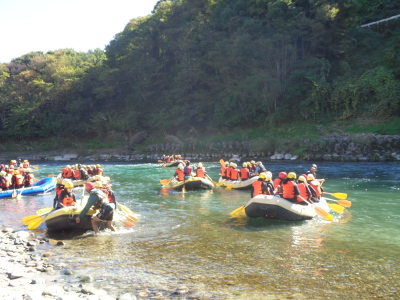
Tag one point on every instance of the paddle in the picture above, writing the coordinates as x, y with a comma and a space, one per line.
222, 162
209, 178
29, 219
338, 195
184, 188
14, 194
229, 187
43, 211
336, 207
127, 213
165, 181
345, 203
36, 222
35, 167
321, 212
238, 212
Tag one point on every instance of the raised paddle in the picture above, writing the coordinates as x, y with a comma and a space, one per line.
337, 195
345, 203
222, 162
125, 209
238, 212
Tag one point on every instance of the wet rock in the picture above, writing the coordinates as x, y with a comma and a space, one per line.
60, 243
86, 278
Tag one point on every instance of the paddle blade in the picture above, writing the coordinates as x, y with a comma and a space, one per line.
35, 167
183, 189
29, 219
159, 160
36, 223
222, 162
345, 203
238, 212
229, 187
340, 195
323, 213
14, 194
336, 207
44, 211
125, 209
131, 218
165, 181
128, 224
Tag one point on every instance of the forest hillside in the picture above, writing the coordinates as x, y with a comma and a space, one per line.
201, 67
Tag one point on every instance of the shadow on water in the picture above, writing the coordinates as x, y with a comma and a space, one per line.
260, 224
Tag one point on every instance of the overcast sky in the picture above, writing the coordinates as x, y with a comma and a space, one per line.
44, 25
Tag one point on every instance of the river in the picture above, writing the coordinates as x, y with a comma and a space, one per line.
189, 240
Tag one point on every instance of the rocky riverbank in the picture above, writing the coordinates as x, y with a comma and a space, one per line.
335, 147
27, 273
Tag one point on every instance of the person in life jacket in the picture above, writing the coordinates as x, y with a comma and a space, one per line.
316, 185
3, 181
28, 178
65, 196
76, 173
229, 170
200, 171
98, 200
259, 168
13, 163
179, 175
83, 173
17, 180
306, 191
290, 190
106, 188
26, 164
2, 168
262, 185
223, 170
244, 172
234, 173
99, 170
278, 183
187, 170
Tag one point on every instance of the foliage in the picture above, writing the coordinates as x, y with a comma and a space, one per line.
207, 64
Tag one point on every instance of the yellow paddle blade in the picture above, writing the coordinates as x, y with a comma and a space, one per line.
44, 210
125, 209
340, 195
159, 160
323, 213
29, 219
128, 224
37, 180
36, 223
35, 167
336, 207
165, 181
183, 189
131, 218
14, 194
345, 203
238, 212
229, 187
222, 162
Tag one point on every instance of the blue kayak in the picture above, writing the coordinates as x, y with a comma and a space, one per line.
45, 185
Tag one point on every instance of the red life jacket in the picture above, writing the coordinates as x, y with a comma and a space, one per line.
223, 171
29, 178
234, 174
8, 181
200, 173
19, 179
257, 188
288, 189
64, 172
68, 173
277, 182
228, 172
244, 173
77, 174
66, 201
100, 171
25, 165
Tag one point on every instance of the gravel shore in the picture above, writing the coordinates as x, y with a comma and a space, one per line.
26, 274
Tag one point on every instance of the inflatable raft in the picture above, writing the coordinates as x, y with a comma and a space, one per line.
174, 163
238, 184
273, 207
193, 183
45, 185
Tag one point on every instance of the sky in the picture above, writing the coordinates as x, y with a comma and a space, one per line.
46, 25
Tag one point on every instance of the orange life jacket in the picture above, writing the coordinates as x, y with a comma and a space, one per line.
64, 172
19, 179
228, 172
66, 201
8, 181
257, 188
234, 174
303, 192
29, 178
317, 187
200, 173
244, 173
181, 175
99, 171
223, 171
288, 189
277, 182
26, 165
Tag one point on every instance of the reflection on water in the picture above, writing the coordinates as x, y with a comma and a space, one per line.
189, 239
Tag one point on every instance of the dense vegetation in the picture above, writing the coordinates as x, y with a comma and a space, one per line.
206, 64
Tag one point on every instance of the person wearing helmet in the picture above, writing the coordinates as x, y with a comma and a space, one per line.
313, 171
28, 178
17, 180
179, 175
259, 168
26, 164
278, 183
223, 170
187, 170
99, 170
229, 170
3, 181
65, 197
244, 172
262, 185
316, 185
306, 191
83, 173
200, 171
76, 173
290, 190
235, 173
98, 200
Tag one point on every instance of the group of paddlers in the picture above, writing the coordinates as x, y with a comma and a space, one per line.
16, 175
171, 158
186, 171
81, 172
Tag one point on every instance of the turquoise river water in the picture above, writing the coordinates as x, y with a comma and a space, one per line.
190, 240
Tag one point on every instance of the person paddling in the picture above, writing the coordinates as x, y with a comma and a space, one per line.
98, 200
